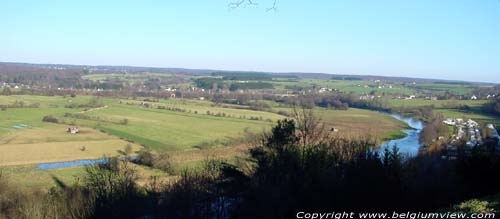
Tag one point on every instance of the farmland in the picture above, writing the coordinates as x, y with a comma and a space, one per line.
182, 127
378, 87
356, 86
189, 129
249, 109
156, 127
358, 122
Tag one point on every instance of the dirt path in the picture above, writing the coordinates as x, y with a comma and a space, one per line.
93, 109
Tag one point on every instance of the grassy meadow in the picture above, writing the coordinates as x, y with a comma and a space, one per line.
359, 122
29, 177
190, 130
167, 130
52, 143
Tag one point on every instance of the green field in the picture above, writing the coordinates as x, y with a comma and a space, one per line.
435, 103
379, 87
180, 126
29, 177
169, 130
359, 87
456, 88
139, 78
449, 108
175, 125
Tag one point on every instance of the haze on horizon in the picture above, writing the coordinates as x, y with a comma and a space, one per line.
454, 40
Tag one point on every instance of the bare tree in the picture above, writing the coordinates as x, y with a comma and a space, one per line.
309, 127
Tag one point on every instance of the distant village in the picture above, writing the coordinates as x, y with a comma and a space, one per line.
377, 84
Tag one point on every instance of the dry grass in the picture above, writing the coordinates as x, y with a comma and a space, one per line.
362, 123
180, 157
29, 177
53, 144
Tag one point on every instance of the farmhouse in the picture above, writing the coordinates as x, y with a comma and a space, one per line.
334, 129
73, 130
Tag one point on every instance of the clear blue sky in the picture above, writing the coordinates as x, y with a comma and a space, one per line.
449, 39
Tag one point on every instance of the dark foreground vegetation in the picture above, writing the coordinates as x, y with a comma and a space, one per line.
296, 167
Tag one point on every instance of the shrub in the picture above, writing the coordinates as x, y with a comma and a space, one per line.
128, 150
283, 113
145, 157
124, 121
51, 119
473, 206
114, 189
162, 162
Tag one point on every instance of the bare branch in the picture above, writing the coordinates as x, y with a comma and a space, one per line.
237, 4
273, 8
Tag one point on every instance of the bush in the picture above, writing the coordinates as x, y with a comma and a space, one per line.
283, 113
473, 206
115, 193
124, 121
145, 157
162, 162
51, 119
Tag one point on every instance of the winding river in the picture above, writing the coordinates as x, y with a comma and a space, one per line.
408, 145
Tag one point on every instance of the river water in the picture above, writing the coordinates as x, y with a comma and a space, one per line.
409, 145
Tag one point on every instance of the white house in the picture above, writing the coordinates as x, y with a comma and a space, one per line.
73, 130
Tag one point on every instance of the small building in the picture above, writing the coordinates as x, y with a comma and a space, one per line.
411, 97
473, 97
73, 130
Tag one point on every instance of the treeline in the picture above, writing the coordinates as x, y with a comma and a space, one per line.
298, 166
218, 83
94, 102
250, 86
434, 129
84, 116
209, 83
493, 107
346, 78
243, 76
18, 73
